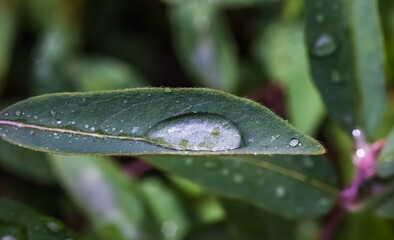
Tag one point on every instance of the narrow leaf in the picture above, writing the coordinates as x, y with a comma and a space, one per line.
105, 195
151, 121
330, 58
292, 186
20, 222
204, 44
369, 53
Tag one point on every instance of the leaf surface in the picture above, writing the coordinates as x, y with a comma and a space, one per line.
151, 121
291, 186
385, 166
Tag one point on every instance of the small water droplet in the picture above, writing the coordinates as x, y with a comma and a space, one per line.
307, 162
324, 46
32, 132
53, 113
238, 178
336, 76
167, 90
113, 129
18, 113
320, 18
280, 192
189, 161
134, 129
86, 126
211, 165
199, 132
58, 122
72, 122
294, 142
225, 172
54, 227
92, 129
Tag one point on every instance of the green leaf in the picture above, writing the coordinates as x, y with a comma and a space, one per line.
7, 35
250, 223
292, 186
383, 205
303, 104
347, 66
110, 200
20, 222
151, 121
167, 208
369, 59
364, 226
100, 73
385, 166
330, 59
204, 45
26, 163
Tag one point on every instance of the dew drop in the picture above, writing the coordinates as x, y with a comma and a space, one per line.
324, 46
336, 77
307, 163
32, 132
167, 90
53, 113
199, 132
238, 178
86, 126
54, 227
280, 192
225, 172
72, 122
18, 113
58, 122
211, 165
294, 142
92, 129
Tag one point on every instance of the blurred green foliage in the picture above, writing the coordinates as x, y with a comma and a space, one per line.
253, 48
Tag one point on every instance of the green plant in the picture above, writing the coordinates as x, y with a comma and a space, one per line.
160, 160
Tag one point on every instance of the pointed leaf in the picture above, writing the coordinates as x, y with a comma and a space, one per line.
20, 222
347, 64
292, 186
151, 121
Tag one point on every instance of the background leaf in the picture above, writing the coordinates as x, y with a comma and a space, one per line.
204, 45
20, 222
292, 186
110, 200
144, 121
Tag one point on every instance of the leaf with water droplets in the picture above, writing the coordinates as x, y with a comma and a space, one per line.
347, 64
229, 3
107, 197
151, 121
20, 222
292, 186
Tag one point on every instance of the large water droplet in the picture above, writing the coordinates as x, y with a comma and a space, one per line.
199, 132
324, 46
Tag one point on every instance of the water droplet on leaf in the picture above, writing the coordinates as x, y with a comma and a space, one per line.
167, 90
324, 46
54, 227
199, 132
18, 113
294, 142
53, 113
238, 178
280, 192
